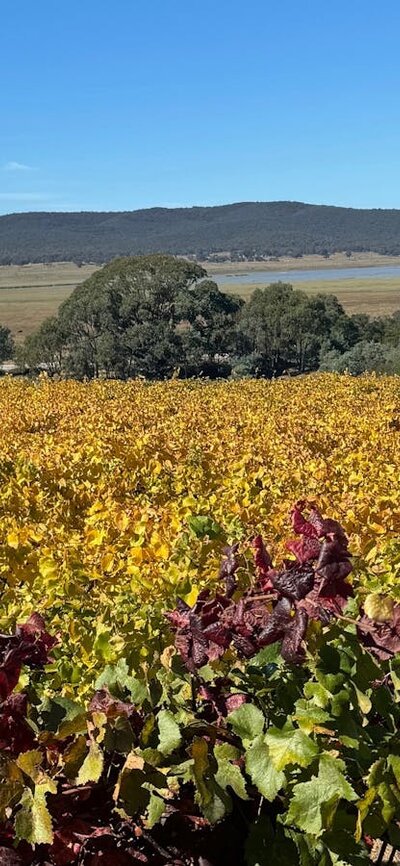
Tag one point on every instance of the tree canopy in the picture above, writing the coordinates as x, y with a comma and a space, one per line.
138, 316
284, 328
155, 316
6, 344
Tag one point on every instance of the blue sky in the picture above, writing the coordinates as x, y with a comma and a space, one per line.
121, 104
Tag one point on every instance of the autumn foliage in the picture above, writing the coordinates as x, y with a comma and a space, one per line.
154, 769
199, 658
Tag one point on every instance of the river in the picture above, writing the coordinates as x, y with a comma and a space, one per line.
317, 275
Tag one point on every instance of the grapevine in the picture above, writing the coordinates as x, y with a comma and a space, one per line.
266, 731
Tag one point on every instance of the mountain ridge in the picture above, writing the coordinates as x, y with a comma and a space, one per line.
245, 230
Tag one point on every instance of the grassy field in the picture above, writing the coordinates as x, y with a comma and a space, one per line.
30, 293
306, 263
376, 297
23, 309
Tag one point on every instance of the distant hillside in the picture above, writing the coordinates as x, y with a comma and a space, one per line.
246, 230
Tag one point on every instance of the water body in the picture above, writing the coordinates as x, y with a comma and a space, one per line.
319, 275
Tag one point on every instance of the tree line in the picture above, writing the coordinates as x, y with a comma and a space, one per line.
242, 231
157, 316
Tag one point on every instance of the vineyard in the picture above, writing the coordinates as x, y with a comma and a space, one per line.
200, 621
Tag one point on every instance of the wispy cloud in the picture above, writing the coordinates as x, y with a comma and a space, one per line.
23, 196
17, 166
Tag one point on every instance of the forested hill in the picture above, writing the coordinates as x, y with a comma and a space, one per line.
248, 229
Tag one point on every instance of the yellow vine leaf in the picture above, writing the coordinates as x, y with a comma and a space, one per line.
92, 767
379, 607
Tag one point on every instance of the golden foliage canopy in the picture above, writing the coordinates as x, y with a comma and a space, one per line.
116, 497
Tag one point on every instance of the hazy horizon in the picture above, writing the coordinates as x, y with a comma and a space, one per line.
192, 207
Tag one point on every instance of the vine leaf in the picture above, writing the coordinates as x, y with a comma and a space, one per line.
199, 752
155, 810
314, 803
33, 820
290, 746
308, 715
218, 805
212, 798
29, 763
92, 767
394, 763
169, 733
378, 607
228, 773
364, 702
261, 770
247, 722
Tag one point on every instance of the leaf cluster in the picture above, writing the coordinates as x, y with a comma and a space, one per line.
195, 758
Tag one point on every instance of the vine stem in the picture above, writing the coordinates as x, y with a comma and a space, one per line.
194, 688
355, 622
160, 850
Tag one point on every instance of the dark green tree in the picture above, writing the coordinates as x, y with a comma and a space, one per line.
308, 326
391, 329
141, 316
208, 326
7, 347
151, 349
128, 305
265, 325
364, 357
340, 331
286, 329
45, 347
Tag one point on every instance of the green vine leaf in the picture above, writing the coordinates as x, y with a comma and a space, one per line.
261, 770
318, 694
217, 805
247, 722
290, 746
33, 820
229, 774
364, 702
29, 763
169, 733
210, 796
314, 803
394, 763
117, 679
155, 810
308, 715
